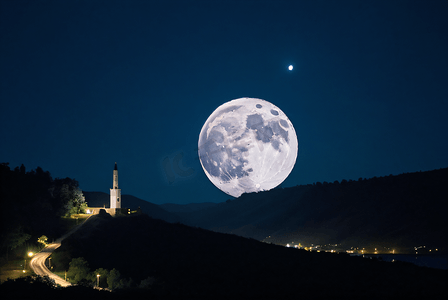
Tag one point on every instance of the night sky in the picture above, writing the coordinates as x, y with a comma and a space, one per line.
85, 84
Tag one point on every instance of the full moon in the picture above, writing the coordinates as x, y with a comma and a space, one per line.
247, 145
290, 67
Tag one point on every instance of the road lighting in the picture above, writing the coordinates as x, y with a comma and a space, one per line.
98, 280
30, 254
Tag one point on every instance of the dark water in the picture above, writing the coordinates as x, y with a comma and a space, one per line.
431, 261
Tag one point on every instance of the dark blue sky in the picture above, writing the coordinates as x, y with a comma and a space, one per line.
85, 84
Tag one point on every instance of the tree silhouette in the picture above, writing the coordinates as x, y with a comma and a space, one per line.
78, 270
33, 204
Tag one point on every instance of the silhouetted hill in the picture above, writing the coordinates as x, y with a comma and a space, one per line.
180, 208
193, 263
100, 199
400, 211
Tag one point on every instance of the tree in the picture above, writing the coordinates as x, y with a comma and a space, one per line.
43, 240
18, 237
113, 280
79, 204
67, 197
147, 283
13, 238
78, 270
22, 169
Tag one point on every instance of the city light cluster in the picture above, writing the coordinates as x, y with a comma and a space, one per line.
339, 248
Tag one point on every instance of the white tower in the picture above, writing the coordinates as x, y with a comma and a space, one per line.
115, 192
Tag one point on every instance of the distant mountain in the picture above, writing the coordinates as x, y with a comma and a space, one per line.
192, 263
97, 199
100, 199
181, 208
400, 211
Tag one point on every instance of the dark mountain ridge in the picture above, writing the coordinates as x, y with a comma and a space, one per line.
181, 208
401, 211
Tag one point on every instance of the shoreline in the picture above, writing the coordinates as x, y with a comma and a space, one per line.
436, 261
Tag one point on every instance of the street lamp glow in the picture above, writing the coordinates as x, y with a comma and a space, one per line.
30, 254
98, 280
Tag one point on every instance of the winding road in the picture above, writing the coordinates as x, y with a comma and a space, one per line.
37, 263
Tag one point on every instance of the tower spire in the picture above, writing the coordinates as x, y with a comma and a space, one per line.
115, 192
115, 182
